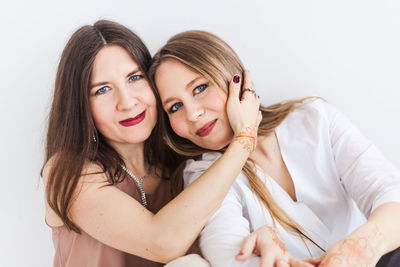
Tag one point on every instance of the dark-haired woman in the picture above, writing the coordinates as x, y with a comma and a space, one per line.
108, 199
309, 172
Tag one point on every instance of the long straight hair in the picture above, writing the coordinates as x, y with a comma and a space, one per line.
211, 57
72, 138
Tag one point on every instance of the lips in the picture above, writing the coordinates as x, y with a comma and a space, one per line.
133, 121
206, 129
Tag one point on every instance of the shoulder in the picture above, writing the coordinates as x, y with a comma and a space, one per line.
91, 171
311, 113
316, 107
92, 177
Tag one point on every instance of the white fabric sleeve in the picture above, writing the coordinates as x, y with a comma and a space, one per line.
221, 238
366, 175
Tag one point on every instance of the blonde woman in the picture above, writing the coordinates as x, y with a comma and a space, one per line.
309, 174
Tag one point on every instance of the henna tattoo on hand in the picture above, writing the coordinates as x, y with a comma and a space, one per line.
355, 252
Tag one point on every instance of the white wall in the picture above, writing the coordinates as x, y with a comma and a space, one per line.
346, 51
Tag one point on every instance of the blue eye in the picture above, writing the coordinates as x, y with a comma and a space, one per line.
135, 77
175, 107
102, 90
200, 88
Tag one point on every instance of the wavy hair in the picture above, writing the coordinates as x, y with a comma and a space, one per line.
211, 57
72, 139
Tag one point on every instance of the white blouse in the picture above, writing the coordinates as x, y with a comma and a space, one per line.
339, 178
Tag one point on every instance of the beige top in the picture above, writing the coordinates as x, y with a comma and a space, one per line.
75, 250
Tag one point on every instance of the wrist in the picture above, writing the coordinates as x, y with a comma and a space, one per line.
237, 146
373, 238
247, 138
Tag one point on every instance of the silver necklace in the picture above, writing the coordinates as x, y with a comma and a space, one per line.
139, 182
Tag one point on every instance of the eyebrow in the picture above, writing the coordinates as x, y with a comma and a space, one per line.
186, 87
104, 83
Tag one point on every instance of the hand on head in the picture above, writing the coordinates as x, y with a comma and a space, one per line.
243, 110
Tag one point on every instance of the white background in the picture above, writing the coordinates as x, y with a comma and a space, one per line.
347, 51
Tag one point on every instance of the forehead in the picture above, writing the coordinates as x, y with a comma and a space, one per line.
111, 60
172, 75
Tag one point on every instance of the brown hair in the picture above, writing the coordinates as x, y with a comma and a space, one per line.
72, 138
208, 55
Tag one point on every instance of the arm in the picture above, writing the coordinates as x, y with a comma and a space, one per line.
227, 234
221, 238
373, 183
116, 219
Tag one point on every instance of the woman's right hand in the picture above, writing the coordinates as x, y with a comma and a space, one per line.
243, 112
266, 243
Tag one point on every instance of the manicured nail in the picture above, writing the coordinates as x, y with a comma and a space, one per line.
240, 254
236, 78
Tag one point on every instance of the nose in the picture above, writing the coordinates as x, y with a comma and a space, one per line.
125, 101
194, 111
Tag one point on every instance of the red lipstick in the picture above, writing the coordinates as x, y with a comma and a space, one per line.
133, 121
206, 129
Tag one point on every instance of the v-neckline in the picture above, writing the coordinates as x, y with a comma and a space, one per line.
284, 159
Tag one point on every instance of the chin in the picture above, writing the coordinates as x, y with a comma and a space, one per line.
216, 145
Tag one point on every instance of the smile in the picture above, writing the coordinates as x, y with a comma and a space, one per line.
206, 129
133, 121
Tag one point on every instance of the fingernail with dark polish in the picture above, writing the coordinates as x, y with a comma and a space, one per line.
236, 78
240, 254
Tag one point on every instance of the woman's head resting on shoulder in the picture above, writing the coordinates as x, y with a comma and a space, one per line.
192, 73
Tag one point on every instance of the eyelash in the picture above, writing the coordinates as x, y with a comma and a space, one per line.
100, 93
133, 78
199, 88
137, 76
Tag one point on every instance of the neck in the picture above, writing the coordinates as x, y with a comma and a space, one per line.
267, 148
133, 157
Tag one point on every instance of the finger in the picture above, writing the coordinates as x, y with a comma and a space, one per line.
247, 248
234, 87
248, 87
267, 260
259, 118
313, 261
281, 263
300, 263
247, 80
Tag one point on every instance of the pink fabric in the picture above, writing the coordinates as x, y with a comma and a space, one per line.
75, 250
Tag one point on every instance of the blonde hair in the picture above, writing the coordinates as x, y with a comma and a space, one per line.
211, 57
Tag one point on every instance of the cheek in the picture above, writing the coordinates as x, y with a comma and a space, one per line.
150, 97
217, 101
179, 126
98, 113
